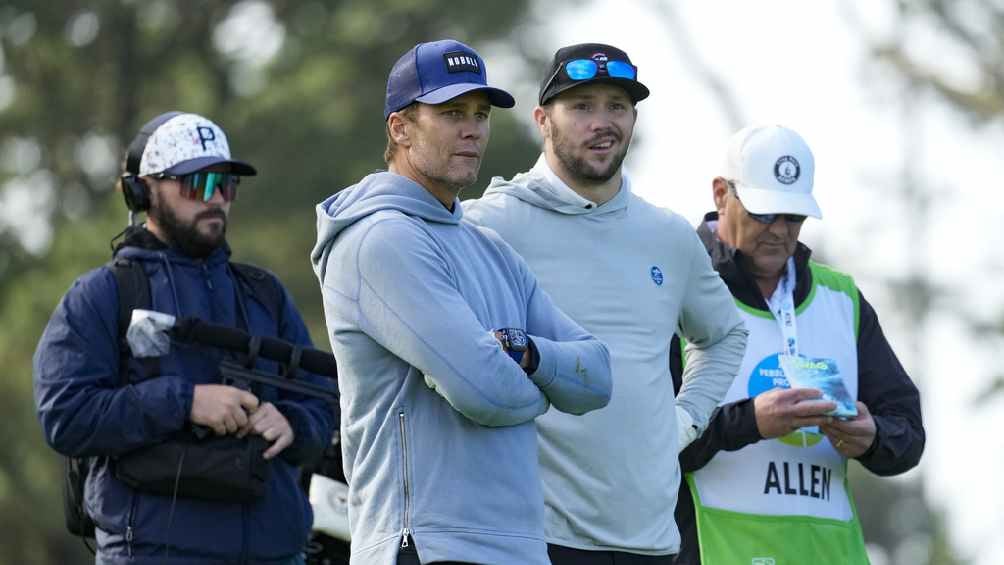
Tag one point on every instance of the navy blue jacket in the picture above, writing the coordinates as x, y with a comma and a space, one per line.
85, 410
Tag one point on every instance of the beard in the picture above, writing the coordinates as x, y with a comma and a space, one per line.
577, 166
187, 237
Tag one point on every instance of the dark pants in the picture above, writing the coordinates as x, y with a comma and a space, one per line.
561, 555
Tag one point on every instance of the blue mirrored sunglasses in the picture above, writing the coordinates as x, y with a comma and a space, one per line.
202, 185
583, 69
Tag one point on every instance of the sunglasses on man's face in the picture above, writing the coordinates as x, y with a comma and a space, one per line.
765, 219
201, 185
768, 219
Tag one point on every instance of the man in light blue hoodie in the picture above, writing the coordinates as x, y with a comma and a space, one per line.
632, 274
447, 348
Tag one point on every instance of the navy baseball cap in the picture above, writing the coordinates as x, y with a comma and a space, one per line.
435, 72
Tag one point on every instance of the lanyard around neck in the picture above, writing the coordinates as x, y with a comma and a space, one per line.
782, 307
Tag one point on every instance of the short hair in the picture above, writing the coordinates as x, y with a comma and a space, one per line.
408, 112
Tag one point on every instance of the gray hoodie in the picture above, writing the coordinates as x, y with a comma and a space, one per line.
438, 434
632, 274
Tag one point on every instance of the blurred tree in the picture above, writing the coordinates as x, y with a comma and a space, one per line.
971, 82
971, 32
299, 88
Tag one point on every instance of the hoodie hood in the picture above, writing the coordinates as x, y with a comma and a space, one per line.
540, 187
374, 193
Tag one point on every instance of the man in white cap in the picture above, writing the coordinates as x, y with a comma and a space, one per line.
97, 403
819, 384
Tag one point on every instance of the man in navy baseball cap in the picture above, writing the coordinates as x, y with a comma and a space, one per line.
437, 116
447, 349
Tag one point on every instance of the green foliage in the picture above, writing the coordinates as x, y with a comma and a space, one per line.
307, 111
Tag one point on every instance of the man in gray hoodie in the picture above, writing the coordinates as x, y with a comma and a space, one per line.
447, 348
631, 274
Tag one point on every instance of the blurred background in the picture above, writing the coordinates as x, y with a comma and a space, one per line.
900, 100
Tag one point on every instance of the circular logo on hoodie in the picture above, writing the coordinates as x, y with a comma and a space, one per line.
787, 170
656, 274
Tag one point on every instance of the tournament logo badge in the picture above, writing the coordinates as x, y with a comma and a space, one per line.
787, 170
656, 274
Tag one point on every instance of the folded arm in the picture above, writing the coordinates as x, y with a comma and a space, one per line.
574, 369
408, 303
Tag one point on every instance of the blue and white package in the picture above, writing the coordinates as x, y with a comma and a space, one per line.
822, 374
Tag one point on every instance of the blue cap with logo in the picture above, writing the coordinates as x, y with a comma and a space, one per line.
437, 71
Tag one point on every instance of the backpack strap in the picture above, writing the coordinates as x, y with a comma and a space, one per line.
263, 286
134, 293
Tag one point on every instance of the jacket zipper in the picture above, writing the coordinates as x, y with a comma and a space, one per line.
406, 531
129, 523
209, 280
244, 538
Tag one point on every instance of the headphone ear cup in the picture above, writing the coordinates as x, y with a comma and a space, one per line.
136, 193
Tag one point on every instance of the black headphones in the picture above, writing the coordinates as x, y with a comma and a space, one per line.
134, 189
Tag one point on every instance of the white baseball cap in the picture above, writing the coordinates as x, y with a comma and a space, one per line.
183, 143
772, 168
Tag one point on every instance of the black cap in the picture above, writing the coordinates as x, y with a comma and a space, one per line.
557, 80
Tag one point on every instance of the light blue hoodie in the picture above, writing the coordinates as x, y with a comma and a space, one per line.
438, 434
633, 275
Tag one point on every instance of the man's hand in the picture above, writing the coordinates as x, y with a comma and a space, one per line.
223, 408
270, 424
781, 411
851, 438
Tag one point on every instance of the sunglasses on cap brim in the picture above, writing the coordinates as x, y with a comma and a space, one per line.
585, 69
202, 185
